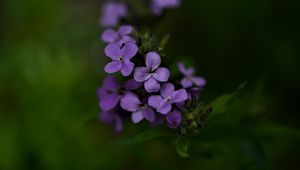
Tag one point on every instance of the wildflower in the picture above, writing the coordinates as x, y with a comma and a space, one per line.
111, 117
121, 36
111, 92
168, 96
174, 119
152, 74
112, 12
159, 5
120, 58
140, 110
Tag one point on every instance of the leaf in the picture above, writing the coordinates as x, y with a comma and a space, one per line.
182, 147
164, 41
221, 104
146, 136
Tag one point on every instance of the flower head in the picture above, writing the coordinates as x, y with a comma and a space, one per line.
174, 119
152, 74
140, 110
122, 36
120, 58
111, 92
168, 96
112, 12
159, 5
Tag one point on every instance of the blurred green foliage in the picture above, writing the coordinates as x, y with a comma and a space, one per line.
52, 63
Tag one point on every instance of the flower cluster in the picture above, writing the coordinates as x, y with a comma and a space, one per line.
148, 93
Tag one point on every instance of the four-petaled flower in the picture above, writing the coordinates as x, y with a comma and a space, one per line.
120, 58
174, 119
152, 74
189, 79
158, 5
168, 96
140, 110
111, 92
112, 12
121, 36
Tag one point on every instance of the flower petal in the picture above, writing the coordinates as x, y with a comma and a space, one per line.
112, 51
109, 36
164, 107
127, 67
129, 50
132, 84
179, 96
141, 74
125, 29
154, 101
162, 74
174, 119
152, 60
118, 123
149, 114
109, 102
111, 83
167, 89
185, 71
130, 102
138, 116
152, 85
113, 67
199, 81
106, 117
126, 39
186, 82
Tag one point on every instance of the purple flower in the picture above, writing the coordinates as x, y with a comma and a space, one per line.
159, 5
112, 12
121, 36
111, 92
168, 96
132, 103
152, 74
111, 117
120, 58
174, 119
189, 79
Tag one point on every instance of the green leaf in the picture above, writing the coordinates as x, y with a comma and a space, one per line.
182, 147
221, 104
146, 136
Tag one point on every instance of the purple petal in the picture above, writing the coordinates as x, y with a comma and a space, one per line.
113, 67
152, 85
132, 84
186, 82
138, 116
174, 119
141, 74
127, 67
111, 83
130, 102
159, 120
125, 30
118, 123
109, 102
154, 101
149, 114
125, 39
106, 117
186, 72
199, 81
112, 51
162, 74
179, 96
167, 89
111, 13
109, 36
152, 60
164, 107
129, 50
180, 105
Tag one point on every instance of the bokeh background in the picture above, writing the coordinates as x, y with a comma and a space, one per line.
51, 63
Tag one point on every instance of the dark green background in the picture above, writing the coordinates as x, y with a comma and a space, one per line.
51, 63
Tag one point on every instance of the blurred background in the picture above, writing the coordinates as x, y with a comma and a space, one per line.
51, 63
